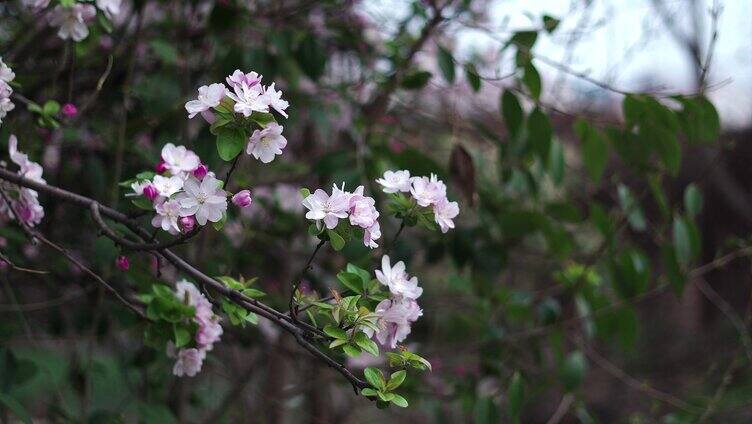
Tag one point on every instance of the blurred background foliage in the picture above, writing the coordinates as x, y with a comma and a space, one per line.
598, 272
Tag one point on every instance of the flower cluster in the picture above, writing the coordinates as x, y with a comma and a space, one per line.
396, 314
184, 192
6, 76
190, 359
427, 192
73, 20
245, 97
24, 202
358, 208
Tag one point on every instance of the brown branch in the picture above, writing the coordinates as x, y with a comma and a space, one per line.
300, 330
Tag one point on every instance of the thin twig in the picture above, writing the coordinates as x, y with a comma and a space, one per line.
92, 274
296, 282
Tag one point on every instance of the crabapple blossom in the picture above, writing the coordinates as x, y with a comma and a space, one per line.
427, 191
362, 211
123, 263
330, 209
209, 330
23, 203
395, 320
209, 96
167, 186
200, 172
6, 74
265, 144
395, 181
444, 212
72, 20
70, 110
168, 213
189, 362
36, 5
371, 234
160, 167
139, 186
395, 277
205, 199
273, 98
150, 192
239, 78
178, 159
242, 199
110, 8
248, 99
6, 105
187, 223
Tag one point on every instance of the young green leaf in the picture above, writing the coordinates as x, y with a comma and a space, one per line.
573, 370
375, 378
446, 64
396, 380
516, 395
230, 142
692, 200
399, 400
336, 240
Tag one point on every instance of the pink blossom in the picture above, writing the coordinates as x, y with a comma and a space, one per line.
189, 362
400, 284
72, 20
168, 213
200, 172
362, 211
371, 234
273, 98
444, 212
178, 159
70, 110
122, 263
395, 181
209, 96
330, 209
187, 224
150, 192
427, 191
395, 320
161, 167
238, 78
242, 199
267, 143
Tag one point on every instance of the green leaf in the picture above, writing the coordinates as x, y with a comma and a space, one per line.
399, 400
230, 142
16, 408
351, 280
682, 239
539, 133
594, 149
182, 336
263, 119
532, 80
632, 209
416, 80
396, 380
368, 392
336, 240
368, 345
673, 270
51, 108
516, 395
335, 332
142, 203
573, 370
165, 51
446, 64
312, 57
512, 113
375, 378
473, 79
351, 351
692, 200
556, 162
304, 192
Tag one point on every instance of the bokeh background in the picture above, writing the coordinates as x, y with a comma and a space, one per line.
524, 286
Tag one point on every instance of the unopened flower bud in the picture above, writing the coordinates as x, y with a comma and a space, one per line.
123, 263
200, 172
161, 167
150, 192
187, 224
70, 110
242, 199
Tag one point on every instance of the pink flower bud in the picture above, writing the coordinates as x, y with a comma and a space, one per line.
187, 224
150, 192
161, 167
200, 172
242, 199
123, 263
70, 110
